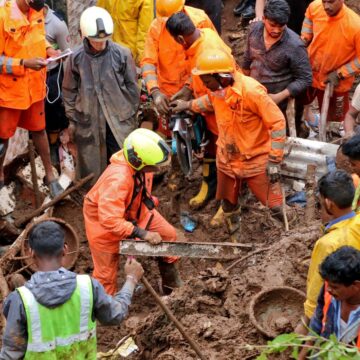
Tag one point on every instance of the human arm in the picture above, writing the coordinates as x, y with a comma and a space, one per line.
146, 15
198, 105
350, 121
110, 310
70, 88
259, 10
130, 78
307, 31
62, 35
14, 342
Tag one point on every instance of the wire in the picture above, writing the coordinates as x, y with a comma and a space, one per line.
58, 86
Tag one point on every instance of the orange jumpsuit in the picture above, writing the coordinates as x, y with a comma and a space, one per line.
21, 88
252, 131
334, 46
109, 213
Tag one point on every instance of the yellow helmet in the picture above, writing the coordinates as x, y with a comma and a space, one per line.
165, 8
144, 147
214, 61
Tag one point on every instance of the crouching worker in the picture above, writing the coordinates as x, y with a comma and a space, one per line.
338, 306
53, 316
120, 206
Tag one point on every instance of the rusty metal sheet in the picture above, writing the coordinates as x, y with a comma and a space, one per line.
183, 249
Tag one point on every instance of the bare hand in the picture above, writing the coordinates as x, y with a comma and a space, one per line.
185, 93
161, 102
134, 269
153, 238
178, 106
255, 20
277, 98
50, 52
35, 63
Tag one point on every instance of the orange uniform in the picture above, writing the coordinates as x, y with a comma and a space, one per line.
164, 64
209, 39
20, 38
252, 131
110, 212
335, 44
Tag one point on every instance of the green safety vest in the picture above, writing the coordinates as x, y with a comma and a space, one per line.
66, 332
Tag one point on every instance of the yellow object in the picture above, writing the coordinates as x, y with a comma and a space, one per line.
233, 224
346, 232
214, 61
218, 219
132, 20
165, 8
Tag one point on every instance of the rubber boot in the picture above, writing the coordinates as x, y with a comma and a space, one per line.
218, 219
170, 277
208, 185
233, 224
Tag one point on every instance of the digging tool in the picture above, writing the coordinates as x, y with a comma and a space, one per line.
324, 112
171, 316
204, 250
34, 174
58, 198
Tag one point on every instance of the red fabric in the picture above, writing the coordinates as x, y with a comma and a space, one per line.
228, 188
106, 264
32, 119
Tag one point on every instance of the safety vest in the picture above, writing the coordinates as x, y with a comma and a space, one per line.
64, 332
327, 302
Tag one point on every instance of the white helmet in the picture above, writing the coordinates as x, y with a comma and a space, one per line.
96, 24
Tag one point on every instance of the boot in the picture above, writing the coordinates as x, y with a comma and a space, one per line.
208, 185
170, 277
233, 224
218, 219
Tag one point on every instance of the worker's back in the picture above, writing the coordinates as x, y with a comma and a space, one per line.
58, 308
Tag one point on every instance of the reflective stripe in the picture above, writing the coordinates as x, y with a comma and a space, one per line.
208, 102
349, 69
51, 345
2, 57
85, 306
277, 145
278, 133
307, 21
148, 67
150, 77
306, 30
201, 104
8, 66
32, 305
357, 63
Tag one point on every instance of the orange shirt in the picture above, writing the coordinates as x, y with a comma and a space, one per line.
209, 39
20, 38
335, 44
252, 129
164, 64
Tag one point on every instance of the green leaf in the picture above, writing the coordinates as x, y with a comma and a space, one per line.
262, 357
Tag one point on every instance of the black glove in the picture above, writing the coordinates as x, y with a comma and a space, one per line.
333, 78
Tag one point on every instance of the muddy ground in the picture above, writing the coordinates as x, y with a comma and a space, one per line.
213, 305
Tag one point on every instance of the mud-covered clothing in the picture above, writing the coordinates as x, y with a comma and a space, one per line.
327, 320
100, 89
344, 231
334, 44
52, 289
284, 66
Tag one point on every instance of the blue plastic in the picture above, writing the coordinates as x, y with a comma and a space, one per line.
188, 223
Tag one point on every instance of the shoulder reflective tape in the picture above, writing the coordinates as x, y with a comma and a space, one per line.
8, 66
278, 133
277, 145
84, 285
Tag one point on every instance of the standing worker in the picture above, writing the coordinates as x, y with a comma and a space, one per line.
251, 135
332, 33
100, 92
164, 65
194, 41
53, 316
120, 206
23, 52
131, 23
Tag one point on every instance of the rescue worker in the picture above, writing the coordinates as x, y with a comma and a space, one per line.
53, 316
23, 52
352, 114
120, 206
57, 34
334, 58
342, 227
194, 41
251, 139
338, 305
164, 65
276, 57
131, 23
100, 93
